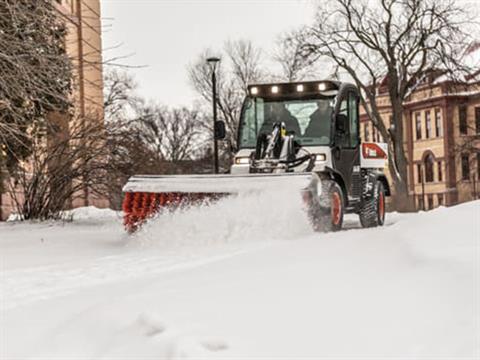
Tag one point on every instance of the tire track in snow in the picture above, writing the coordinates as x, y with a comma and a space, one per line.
21, 287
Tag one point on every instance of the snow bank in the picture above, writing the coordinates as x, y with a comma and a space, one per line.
446, 234
409, 290
92, 213
87, 213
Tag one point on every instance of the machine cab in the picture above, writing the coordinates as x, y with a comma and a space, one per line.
306, 108
322, 116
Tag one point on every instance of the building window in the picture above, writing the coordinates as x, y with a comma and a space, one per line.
418, 125
428, 121
420, 203
477, 120
419, 173
478, 166
438, 123
429, 161
440, 199
374, 133
462, 118
366, 129
430, 202
440, 171
465, 167
378, 136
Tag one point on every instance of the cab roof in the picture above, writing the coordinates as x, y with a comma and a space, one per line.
296, 89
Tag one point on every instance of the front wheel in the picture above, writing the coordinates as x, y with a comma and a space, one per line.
328, 214
372, 211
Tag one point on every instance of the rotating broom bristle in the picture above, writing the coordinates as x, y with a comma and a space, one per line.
138, 207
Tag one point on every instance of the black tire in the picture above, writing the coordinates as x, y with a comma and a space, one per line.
327, 212
372, 211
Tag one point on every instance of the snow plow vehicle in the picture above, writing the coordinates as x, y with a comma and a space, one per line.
301, 136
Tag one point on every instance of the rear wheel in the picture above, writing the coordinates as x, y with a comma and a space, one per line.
328, 214
372, 212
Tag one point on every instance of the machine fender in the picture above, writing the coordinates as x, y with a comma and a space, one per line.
381, 177
370, 179
332, 174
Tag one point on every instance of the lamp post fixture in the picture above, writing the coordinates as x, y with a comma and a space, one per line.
213, 61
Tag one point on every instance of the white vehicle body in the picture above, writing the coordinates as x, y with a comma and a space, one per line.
370, 158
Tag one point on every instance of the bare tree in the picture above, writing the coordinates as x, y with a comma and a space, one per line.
35, 72
153, 140
128, 155
60, 166
241, 65
289, 55
245, 61
396, 43
174, 134
120, 100
147, 139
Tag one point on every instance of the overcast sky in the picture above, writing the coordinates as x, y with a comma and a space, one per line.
166, 35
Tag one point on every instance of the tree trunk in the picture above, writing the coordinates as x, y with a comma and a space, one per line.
398, 164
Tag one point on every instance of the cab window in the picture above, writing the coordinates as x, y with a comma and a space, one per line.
353, 119
344, 139
349, 108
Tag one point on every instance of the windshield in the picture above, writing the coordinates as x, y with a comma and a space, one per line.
309, 119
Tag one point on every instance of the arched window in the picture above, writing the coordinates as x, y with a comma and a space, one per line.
429, 161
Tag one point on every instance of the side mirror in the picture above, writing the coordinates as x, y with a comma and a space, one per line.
220, 130
341, 124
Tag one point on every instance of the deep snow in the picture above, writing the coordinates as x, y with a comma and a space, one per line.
243, 279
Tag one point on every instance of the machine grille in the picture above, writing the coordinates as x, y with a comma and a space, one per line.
356, 185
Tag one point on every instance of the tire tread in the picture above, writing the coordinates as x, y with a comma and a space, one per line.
369, 210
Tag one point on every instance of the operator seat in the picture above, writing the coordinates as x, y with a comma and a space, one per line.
281, 114
320, 122
277, 112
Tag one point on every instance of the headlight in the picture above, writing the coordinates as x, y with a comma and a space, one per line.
242, 161
322, 86
320, 157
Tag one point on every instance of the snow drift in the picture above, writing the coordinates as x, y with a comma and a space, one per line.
235, 219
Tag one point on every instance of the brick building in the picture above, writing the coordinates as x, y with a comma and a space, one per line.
84, 46
442, 124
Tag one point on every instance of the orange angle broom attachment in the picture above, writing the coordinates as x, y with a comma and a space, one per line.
138, 207
147, 195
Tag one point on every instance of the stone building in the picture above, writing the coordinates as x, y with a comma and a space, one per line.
442, 125
84, 46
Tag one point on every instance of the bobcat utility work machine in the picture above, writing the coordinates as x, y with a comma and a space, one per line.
301, 136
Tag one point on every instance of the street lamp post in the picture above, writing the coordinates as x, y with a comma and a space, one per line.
422, 175
213, 61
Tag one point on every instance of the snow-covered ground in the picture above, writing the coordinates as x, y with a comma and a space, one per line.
243, 279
